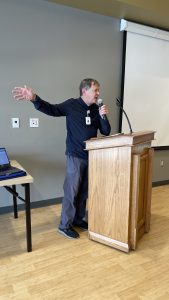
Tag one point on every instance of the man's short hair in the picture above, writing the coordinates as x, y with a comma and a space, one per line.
87, 83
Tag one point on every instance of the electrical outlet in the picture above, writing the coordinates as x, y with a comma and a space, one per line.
15, 122
34, 122
162, 163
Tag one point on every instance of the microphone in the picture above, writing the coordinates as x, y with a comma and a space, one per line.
118, 103
100, 104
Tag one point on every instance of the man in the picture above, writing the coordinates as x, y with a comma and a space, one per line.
83, 119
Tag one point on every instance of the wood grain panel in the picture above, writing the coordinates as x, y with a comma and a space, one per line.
109, 192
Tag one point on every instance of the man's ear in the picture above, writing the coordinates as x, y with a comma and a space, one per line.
83, 91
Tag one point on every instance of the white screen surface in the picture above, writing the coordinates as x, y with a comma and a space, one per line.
146, 86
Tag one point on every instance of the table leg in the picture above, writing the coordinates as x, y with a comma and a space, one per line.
15, 203
28, 217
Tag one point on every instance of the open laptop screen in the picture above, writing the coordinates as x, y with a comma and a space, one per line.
4, 160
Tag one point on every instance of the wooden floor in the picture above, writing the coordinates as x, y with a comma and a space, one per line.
81, 269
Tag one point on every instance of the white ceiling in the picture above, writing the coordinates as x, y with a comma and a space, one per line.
149, 12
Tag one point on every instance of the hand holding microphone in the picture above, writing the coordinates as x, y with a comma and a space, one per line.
103, 111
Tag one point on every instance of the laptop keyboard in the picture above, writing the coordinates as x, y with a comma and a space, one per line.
12, 170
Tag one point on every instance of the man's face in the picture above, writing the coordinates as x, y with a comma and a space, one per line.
91, 95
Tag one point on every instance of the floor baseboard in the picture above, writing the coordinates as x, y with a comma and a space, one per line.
37, 204
159, 183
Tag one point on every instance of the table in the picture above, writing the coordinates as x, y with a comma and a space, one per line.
10, 186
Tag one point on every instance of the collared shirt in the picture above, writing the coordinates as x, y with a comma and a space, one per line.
76, 111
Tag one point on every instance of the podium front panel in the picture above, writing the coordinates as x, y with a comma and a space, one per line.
109, 193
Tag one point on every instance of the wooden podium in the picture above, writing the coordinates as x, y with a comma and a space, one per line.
120, 184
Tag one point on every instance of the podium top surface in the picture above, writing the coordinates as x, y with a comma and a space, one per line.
119, 140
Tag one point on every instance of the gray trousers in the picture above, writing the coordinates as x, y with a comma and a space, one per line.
75, 191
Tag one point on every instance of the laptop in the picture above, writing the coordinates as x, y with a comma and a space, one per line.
6, 170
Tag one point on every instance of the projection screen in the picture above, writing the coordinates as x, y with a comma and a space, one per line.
146, 81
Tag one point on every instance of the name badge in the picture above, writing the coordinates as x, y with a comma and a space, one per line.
88, 121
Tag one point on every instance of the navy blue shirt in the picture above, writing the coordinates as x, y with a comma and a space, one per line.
75, 111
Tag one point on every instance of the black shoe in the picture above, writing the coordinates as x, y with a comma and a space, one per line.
70, 233
82, 225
